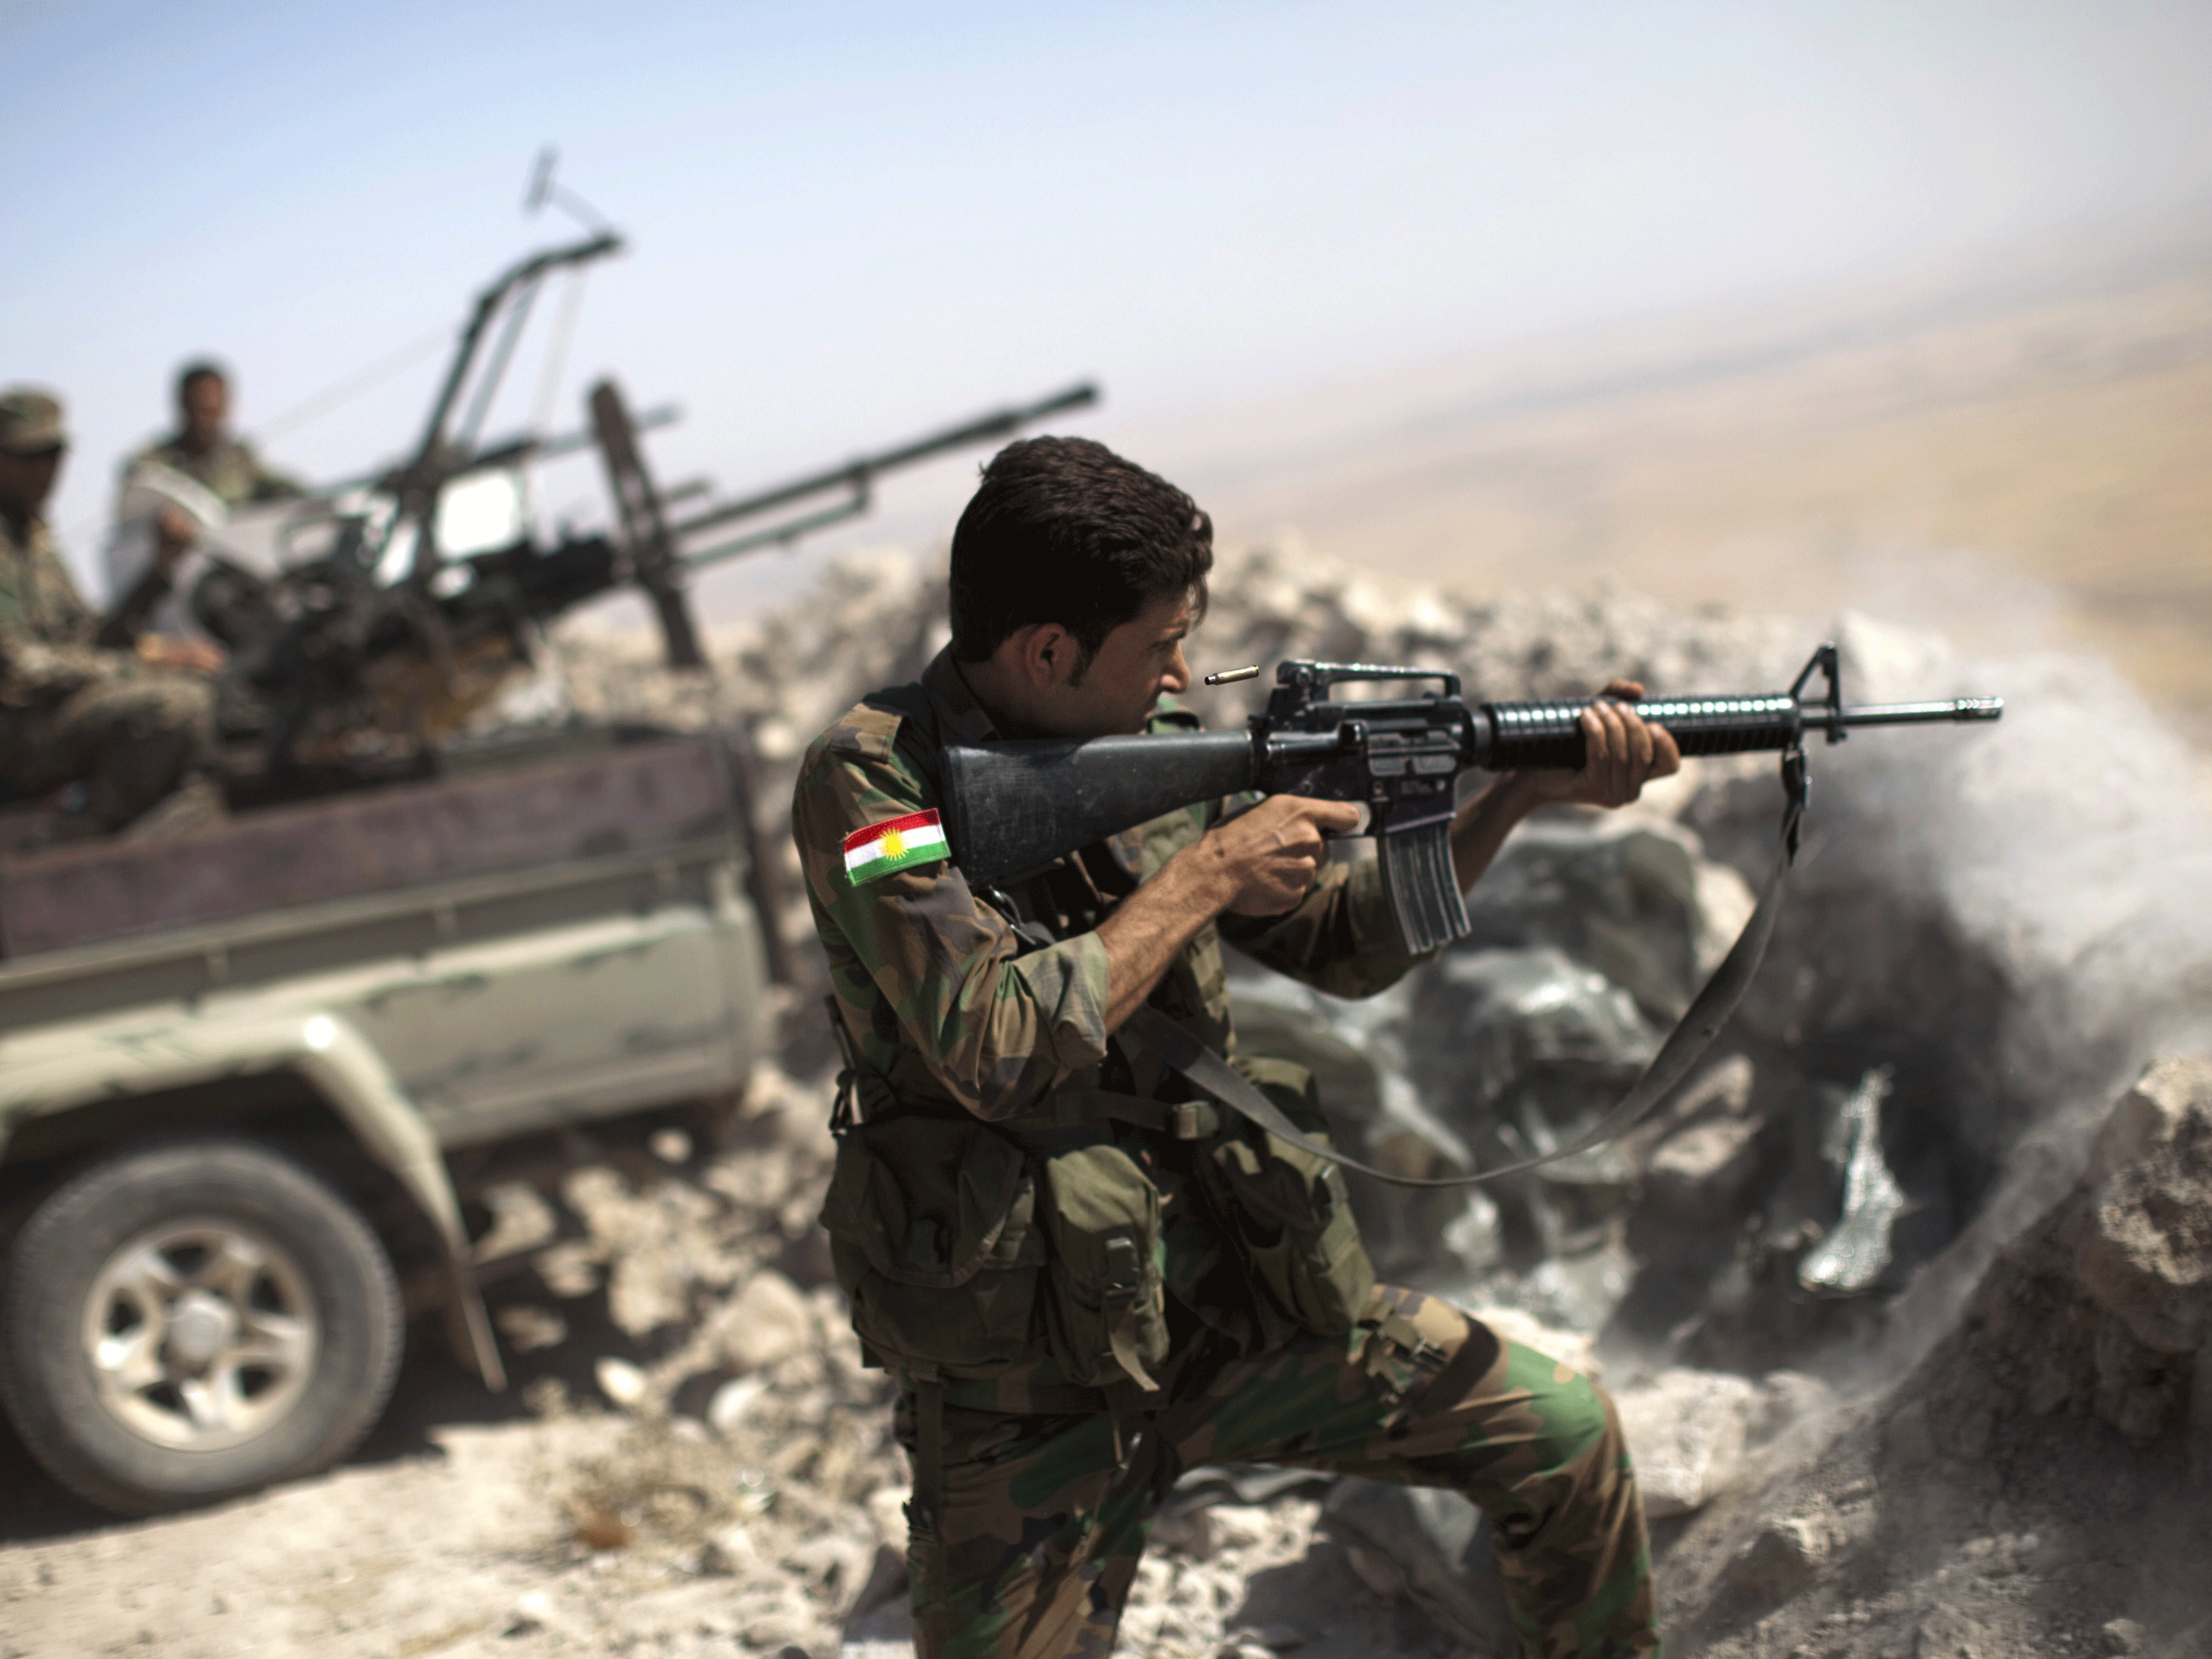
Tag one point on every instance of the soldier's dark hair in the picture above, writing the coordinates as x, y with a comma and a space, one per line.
1063, 529
200, 368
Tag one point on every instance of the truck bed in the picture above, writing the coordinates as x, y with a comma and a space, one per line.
661, 792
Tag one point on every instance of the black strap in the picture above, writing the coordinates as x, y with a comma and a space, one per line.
1468, 1364
928, 1450
1186, 1120
1693, 1034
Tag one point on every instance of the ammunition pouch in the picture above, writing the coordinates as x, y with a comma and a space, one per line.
1289, 1211
1105, 1309
968, 1250
934, 1238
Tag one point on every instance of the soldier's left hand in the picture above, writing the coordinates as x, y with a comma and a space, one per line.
173, 651
1621, 751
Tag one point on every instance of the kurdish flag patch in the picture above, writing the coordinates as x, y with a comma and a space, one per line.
883, 849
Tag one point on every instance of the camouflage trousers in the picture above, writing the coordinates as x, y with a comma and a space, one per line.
1037, 1532
129, 739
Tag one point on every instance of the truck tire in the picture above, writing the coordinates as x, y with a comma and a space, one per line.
194, 1319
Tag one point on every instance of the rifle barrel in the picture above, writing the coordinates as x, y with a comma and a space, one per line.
1959, 710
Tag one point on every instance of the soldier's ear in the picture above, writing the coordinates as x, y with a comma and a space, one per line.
1044, 653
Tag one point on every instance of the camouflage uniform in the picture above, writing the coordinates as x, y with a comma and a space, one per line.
70, 708
228, 467
951, 1006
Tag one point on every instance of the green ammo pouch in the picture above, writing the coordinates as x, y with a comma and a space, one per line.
933, 1235
1292, 1211
1106, 1313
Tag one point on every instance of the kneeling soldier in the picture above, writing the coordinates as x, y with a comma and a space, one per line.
1085, 1282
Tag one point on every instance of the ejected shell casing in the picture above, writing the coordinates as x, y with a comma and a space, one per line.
1233, 675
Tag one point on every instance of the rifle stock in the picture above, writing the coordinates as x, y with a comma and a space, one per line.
1012, 808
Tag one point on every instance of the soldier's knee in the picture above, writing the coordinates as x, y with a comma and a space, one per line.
152, 705
189, 705
1580, 1425
178, 714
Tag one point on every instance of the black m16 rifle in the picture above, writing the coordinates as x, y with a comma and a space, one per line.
1012, 808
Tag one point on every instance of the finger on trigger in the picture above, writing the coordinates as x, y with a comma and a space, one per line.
1339, 818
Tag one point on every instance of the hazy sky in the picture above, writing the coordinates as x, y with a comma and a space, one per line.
850, 222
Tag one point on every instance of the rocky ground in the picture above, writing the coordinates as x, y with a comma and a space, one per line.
1903, 1317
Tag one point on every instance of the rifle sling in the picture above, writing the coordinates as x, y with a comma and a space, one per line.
1693, 1034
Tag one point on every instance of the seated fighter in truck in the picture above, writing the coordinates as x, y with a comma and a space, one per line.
1085, 1280
87, 699
204, 450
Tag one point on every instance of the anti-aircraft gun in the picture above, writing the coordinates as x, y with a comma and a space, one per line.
349, 665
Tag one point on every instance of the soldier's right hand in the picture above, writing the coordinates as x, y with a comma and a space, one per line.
1272, 856
174, 532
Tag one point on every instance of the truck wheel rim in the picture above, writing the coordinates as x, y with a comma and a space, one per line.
200, 1333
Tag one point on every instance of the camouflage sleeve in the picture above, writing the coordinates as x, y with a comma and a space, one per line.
39, 601
1339, 938
31, 672
270, 484
45, 628
918, 962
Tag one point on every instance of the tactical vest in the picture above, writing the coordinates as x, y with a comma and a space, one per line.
1046, 1249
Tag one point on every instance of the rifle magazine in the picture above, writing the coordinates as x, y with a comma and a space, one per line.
1424, 894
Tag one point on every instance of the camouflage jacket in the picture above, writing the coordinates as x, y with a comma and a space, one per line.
46, 629
940, 992
230, 469
956, 1004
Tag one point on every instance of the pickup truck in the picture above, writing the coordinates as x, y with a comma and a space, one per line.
249, 1075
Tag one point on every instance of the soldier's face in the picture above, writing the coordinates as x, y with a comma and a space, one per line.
205, 405
1140, 662
26, 481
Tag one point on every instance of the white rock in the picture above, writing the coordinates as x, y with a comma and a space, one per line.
532, 1612
1685, 1430
1190, 1532
622, 1383
1787, 1398
835, 1561
768, 1320
1239, 1526
1277, 1638
2122, 1636
1698, 1173
732, 1552
732, 1402
1780, 1559
670, 1145
886, 1508
527, 1326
